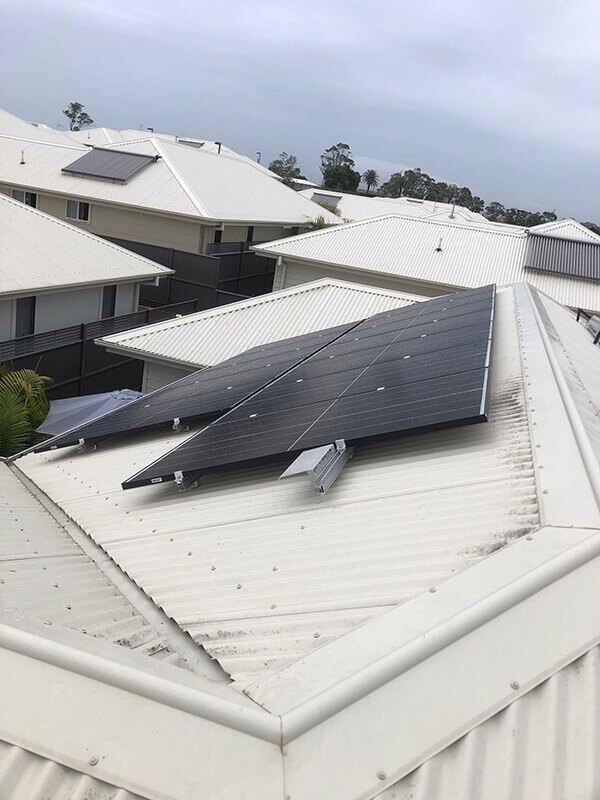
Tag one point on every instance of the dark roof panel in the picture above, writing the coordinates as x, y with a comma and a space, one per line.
574, 258
114, 165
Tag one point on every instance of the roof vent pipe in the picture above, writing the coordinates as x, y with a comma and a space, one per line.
218, 147
452, 212
438, 249
22, 161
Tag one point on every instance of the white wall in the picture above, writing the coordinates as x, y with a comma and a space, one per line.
158, 375
294, 274
126, 300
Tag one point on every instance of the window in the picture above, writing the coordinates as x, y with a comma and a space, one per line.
218, 236
25, 316
109, 296
29, 198
77, 209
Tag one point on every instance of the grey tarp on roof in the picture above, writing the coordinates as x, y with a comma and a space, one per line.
73, 411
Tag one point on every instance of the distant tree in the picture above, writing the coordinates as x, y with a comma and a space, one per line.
416, 183
341, 178
287, 167
477, 204
495, 211
317, 224
370, 178
394, 185
592, 226
439, 192
338, 155
77, 116
527, 219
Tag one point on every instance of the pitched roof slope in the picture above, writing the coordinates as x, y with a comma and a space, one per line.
39, 252
433, 251
355, 207
295, 559
184, 180
15, 127
211, 336
567, 228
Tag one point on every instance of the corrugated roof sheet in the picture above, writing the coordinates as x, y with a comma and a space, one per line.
44, 573
211, 336
262, 571
13, 126
355, 207
567, 228
543, 745
40, 252
435, 252
27, 776
577, 259
185, 180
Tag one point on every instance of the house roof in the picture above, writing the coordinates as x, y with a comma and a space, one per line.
441, 573
101, 137
576, 258
18, 128
355, 207
432, 251
183, 181
566, 228
40, 253
211, 336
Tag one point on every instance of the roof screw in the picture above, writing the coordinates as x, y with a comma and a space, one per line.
273, 606
213, 568
545, 491
93, 761
239, 586
433, 589
274, 569
316, 634
515, 685
529, 538
381, 775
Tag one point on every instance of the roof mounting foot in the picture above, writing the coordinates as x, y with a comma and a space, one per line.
188, 481
84, 445
321, 464
179, 426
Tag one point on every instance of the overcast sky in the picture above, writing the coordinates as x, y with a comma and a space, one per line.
501, 97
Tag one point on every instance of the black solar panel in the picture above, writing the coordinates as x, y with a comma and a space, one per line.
203, 394
417, 367
116, 165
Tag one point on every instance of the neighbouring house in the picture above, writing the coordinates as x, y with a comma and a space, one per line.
354, 207
178, 347
428, 626
152, 191
54, 274
429, 257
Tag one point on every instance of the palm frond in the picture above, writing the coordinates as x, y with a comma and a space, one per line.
15, 428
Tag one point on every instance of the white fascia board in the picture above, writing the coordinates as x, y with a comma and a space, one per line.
384, 735
567, 473
150, 747
142, 355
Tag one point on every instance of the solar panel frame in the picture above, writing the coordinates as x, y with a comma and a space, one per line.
204, 394
445, 383
114, 165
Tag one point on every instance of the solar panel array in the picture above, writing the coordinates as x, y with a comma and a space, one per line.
418, 367
116, 165
203, 394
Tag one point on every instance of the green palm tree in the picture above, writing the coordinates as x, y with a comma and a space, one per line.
370, 178
23, 407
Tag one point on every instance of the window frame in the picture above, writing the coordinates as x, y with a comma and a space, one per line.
79, 205
26, 193
108, 300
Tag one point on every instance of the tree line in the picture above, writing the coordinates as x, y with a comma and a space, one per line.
339, 174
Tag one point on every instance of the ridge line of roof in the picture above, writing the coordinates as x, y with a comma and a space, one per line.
192, 196
81, 148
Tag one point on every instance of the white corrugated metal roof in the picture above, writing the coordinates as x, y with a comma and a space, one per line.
45, 574
211, 336
103, 137
355, 207
184, 180
15, 127
569, 228
27, 776
276, 581
543, 745
295, 558
39, 252
434, 252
